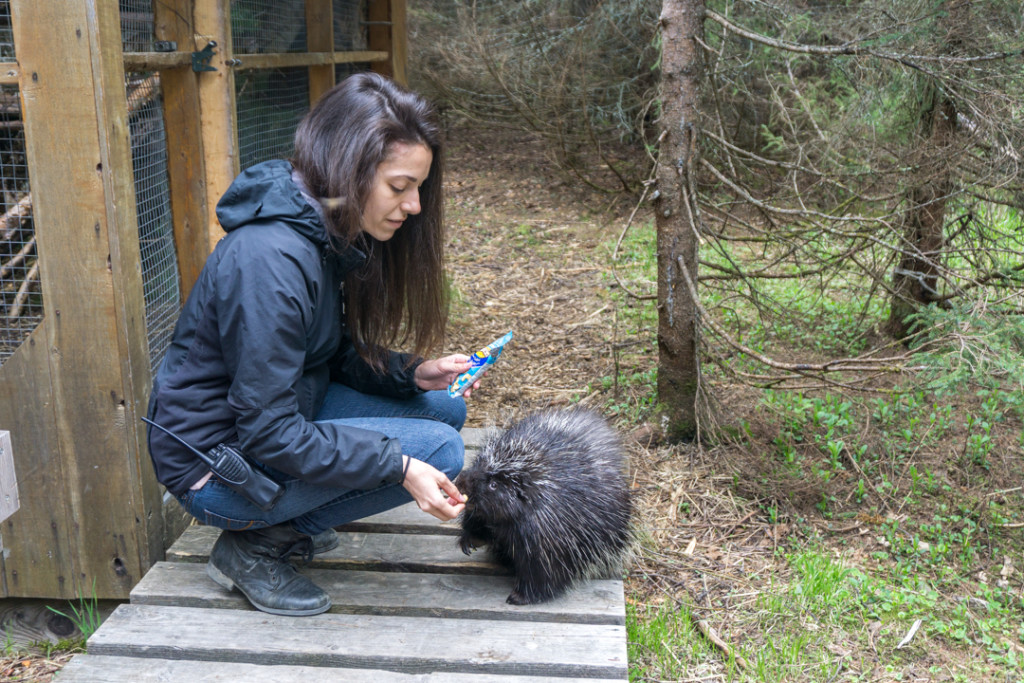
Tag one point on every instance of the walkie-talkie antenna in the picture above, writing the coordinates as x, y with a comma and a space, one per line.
198, 453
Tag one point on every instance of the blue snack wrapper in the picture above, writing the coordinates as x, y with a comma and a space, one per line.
480, 361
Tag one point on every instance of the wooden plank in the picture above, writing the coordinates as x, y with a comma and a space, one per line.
109, 669
404, 644
460, 596
405, 519
399, 41
474, 437
36, 539
158, 61
8, 479
368, 552
182, 123
219, 130
361, 56
75, 118
320, 38
138, 526
26, 622
285, 60
378, 33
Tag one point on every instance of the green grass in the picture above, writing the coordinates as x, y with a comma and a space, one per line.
85, 615
824, 617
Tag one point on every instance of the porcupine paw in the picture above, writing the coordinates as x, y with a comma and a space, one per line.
468, 544
527, 594
517, 598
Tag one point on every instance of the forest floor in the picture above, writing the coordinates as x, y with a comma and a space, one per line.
905, 568
903, 565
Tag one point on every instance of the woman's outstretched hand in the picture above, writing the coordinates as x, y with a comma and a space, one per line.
439, 373
432, 490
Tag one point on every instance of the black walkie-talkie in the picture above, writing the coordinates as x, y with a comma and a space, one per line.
233, 469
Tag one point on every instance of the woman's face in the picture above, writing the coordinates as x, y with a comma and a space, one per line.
396, 189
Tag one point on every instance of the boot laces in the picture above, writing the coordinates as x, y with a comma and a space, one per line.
302, 547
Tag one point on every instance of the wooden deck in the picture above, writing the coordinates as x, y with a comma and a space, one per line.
408, 606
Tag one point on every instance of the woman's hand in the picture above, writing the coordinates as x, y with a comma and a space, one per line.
432, 490
441, 372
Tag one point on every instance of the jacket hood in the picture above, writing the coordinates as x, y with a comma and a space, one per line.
267, 192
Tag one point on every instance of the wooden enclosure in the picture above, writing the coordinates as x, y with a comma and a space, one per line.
121, 124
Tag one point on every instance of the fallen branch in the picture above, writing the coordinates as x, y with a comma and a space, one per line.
22, 296
708, 632
18, 258
11, 221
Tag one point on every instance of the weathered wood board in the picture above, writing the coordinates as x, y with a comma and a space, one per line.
109, 669
8, 479
405, 644
405, 519
371, 552
395, 594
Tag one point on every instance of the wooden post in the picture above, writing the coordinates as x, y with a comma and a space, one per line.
90, 520
388, 32
217, 103
320, 38
185, 169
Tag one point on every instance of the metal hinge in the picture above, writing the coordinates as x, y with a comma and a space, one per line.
201, 59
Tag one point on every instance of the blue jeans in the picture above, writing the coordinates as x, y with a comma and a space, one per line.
427, 425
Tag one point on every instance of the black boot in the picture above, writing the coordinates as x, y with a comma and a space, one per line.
325, 540
256, 563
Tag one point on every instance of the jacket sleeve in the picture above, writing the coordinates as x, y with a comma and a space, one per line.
265, 301
396, 379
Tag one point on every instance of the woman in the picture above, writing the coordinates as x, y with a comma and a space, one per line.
281, 348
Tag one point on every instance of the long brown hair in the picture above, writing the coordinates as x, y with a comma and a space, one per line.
399, 295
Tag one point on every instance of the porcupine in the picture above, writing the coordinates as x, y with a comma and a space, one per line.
549, 497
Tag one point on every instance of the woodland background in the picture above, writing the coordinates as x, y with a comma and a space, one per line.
849, 504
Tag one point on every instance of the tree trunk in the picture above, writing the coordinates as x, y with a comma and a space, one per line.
915, 280
682, 22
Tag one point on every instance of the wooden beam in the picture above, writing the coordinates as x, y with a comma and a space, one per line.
155, 61
37, 539
217, 105
399, 41
94, 343
285, 60
378, 33
320, 38
185, 169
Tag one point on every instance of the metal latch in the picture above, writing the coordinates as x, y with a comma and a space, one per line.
201, 59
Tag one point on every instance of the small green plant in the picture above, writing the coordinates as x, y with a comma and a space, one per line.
85, 615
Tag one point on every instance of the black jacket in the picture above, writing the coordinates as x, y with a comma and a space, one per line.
257, 342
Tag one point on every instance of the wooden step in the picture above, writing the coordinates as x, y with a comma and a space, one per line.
368, 552
402, 644
404, 519
109, 669
395, 594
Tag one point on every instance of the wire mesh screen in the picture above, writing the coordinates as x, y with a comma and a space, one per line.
260, 26
350, 28
6, 33
343, 71
136, 25
160, 283
269, 103
19, 266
